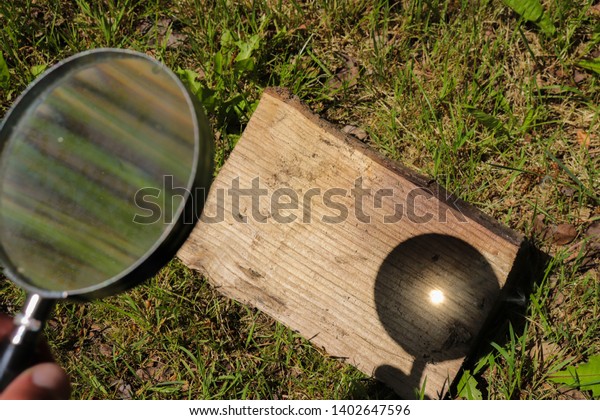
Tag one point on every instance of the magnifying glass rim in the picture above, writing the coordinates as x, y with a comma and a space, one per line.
143, 267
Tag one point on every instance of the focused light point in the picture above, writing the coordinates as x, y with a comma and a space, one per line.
436, 296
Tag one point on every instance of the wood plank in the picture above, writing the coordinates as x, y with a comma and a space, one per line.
368, 260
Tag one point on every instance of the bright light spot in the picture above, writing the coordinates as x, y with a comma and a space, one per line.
436, 296
60, 139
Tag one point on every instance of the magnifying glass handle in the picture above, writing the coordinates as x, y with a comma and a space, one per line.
17, 351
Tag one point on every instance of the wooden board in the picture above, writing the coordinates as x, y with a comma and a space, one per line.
360, 255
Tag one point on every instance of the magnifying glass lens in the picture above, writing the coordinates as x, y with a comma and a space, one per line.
94, 172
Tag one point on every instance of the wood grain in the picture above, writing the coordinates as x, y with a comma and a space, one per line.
400, 287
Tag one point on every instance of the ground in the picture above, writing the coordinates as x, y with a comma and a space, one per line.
499, 105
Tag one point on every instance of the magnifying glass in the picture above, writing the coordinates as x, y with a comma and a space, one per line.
104, 161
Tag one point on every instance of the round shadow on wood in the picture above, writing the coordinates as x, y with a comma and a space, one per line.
433, 293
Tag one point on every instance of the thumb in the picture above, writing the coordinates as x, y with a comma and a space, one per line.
46, 381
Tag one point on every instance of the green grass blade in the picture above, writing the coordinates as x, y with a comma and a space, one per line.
583, 188
593, 65
4, 74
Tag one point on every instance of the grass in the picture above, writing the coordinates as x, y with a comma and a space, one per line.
491, 106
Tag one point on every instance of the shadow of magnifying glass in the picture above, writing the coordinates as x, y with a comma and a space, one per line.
433, 293
103, 165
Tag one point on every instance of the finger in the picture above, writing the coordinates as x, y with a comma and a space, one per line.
46, 381
42, 351
6, 325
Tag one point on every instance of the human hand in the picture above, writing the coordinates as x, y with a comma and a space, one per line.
43, 381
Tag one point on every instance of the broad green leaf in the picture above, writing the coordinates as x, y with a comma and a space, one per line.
487, 120
244, 66
226, 39
231, 106
532, 11
247, 48
467, 387
37, 70
593, 65
4, 74
190, 79
208, 98
586, 376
